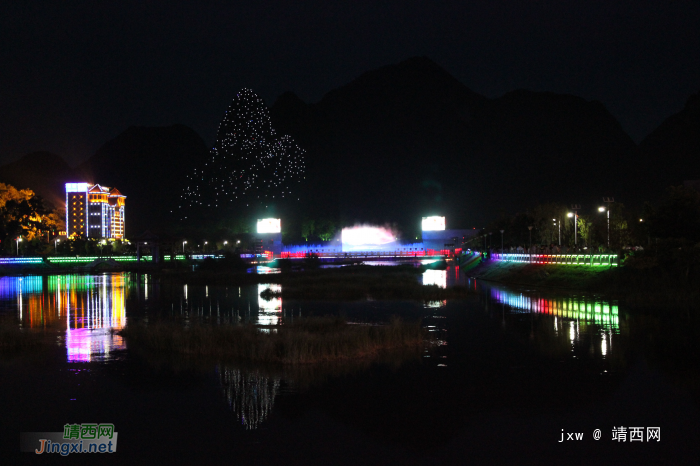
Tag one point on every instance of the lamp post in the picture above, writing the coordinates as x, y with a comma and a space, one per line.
183, 246
55, 246
570, 215
575, 208
608, 201
559, 224
204, 249
19, 238
530, 247
502, 241
225, 243
603, 209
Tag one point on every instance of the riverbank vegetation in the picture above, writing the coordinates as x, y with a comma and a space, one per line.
659, 251
377, 285
661, 277
343, 283
26, 222
304, 341
583, 278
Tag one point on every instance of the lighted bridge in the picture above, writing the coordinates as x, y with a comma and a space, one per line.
371, 255
596, 260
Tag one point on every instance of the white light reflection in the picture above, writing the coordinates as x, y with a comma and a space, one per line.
604, 344
435, 277
572, 331
269, 312
435, 304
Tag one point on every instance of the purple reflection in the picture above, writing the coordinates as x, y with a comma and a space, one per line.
85, 344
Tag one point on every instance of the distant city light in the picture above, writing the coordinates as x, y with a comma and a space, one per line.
433, 223
269, 225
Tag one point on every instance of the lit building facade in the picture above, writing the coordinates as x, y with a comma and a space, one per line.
94, 211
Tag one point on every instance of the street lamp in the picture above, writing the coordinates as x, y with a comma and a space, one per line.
575, 208
55, 245
603, 209
608, 201
570, 215
530, 248
225, 243
183, 246
19, 238
558, 223
502, 241
205, 247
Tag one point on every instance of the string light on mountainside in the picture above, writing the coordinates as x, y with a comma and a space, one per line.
250, 165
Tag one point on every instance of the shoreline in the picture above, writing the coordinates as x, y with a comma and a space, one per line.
637, 288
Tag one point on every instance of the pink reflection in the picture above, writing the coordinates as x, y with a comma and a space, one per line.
85, 344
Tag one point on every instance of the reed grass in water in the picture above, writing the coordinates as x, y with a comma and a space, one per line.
309, 340
359, 286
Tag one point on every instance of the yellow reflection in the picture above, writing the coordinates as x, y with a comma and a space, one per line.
90, 306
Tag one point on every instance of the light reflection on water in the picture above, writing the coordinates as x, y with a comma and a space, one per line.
88, 307
589, 310
269, 312
435, 277
250, 394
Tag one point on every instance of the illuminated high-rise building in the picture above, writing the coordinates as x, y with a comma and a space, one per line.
94, 211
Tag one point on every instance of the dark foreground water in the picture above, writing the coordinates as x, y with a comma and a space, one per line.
511, 373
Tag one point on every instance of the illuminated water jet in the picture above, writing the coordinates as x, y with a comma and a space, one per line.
368, 238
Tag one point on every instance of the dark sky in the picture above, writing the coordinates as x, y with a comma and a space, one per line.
74, 74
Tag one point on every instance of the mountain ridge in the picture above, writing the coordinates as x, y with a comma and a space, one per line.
403, 141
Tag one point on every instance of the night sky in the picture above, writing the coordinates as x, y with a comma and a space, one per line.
75, 74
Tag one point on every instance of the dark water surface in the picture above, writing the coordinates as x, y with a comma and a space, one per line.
508, 370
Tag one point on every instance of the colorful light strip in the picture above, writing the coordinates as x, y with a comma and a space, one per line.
88, 259
595, 260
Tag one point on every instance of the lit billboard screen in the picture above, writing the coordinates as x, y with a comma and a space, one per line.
368, 238
269, 225
433, 223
